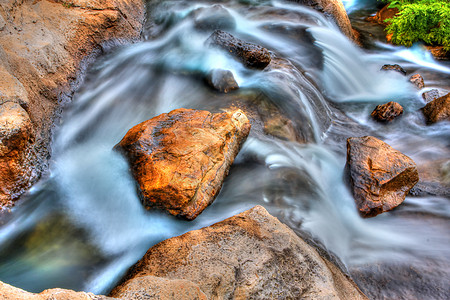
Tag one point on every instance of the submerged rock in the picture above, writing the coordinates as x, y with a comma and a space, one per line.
251, 55
249, 256
417, 80
222, 80
395, 67
213, 17
8, 292
430, 95
180, 159
387, 112
380, 176
437, 110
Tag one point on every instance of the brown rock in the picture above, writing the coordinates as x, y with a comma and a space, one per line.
387, 112
180, 159
395, 67
430, 95
42, 44
437, 110
251, 55
8, 292
152, 287
249, 256
439, 52
380, 176
15, 138
417, 80
384, 14
222, 80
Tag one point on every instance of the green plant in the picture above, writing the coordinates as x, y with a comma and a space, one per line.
420, 20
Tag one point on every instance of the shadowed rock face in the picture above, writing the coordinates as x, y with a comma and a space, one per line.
387, 112
437, 110
222, 80
249, 256
180, 159
42, 44
380, 176
213, 17
251, 55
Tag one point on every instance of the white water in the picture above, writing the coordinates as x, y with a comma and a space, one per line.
301, 184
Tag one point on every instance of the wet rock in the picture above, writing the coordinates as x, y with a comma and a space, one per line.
417, 80
249, 256
180, 159
16, 136
395, 67
42, 45
437, 110
430, 95
222, 80
213, 17
8, 292
434, 179
387, 112
251, 55
380, 176
439, 52
152, 287
383, 14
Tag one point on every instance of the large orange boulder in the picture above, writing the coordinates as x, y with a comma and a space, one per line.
180, 159
249, 256
380, 176
437, 110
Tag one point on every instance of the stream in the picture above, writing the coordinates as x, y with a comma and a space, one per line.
82, 226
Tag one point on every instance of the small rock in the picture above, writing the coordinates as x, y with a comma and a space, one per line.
251, 55
180, 159
394, 68
222, 80
213, 17
383, 14
249, 256
430, 95
437, 110
417, 80
387, 112
380, 176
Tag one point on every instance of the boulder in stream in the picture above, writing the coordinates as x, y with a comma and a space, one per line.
251, 55
387, 112
395, 67
430, 95
417, 80
437, 110
380, 176
213, 17
222, 80
181, 158
249, 256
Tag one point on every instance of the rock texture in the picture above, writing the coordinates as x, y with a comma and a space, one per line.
430, 95
213, 17
437, 110
180, 159
249, 256
42, 44
387, 112
251, 55
395, 67
417, 80
222, 80
380, 176
8, 292
384, 14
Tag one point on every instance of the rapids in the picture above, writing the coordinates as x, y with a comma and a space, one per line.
82, 226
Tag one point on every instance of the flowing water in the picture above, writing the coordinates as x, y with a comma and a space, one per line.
83, 225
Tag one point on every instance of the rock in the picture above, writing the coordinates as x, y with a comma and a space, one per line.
434, 179
251, 55
213, 17
439, 52
380, 176
417, 80
180, 159
152, 287
430, 95
334, 10
8, 292
249, 256
437, 110
42, 45
15, 138
394, 68
222, 80
384, 14
387, 112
